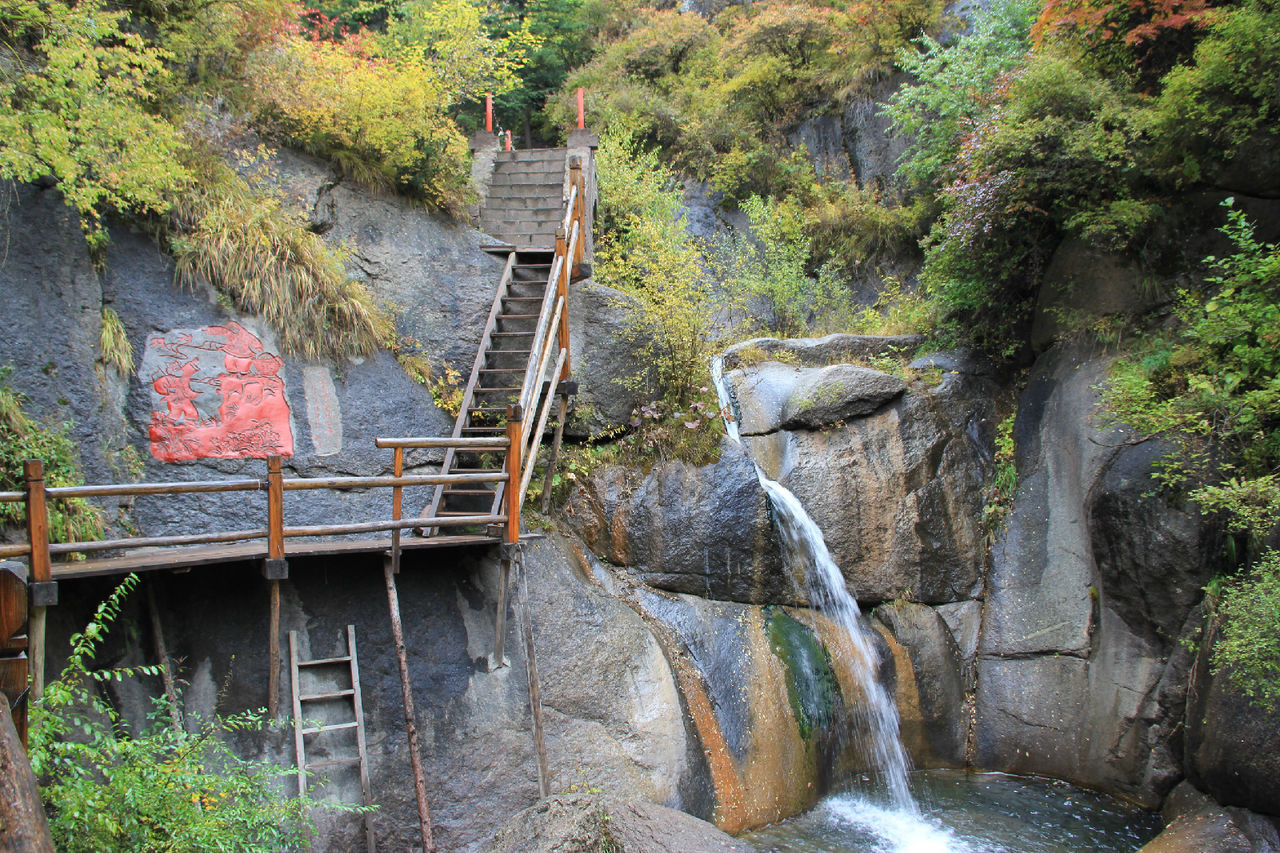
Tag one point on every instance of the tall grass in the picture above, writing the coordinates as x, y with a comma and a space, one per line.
262, 257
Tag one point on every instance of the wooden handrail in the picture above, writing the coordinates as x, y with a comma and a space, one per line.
176, 488
457, 442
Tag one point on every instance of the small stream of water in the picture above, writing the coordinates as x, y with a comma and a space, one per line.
805, 548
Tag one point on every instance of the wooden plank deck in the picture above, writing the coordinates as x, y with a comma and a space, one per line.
159, 559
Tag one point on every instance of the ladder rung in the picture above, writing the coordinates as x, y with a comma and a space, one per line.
336, 694
484, 429
512, 334
324, 661
469, 492
502, 370
518, 316
333, 762
506, 352
497, 390
332, 728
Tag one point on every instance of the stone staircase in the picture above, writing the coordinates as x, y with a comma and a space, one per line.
525, 201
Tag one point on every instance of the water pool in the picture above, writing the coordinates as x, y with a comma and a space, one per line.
963, 812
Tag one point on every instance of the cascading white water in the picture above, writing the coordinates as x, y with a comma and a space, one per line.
805, 548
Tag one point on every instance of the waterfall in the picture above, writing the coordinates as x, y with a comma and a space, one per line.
805, 548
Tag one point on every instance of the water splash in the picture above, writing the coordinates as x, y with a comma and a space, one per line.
805, 549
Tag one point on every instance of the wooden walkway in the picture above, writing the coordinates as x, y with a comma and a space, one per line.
159, 559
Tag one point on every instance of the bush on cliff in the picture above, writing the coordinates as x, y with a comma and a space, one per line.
1212, 386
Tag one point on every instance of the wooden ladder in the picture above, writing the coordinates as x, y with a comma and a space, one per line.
300, 733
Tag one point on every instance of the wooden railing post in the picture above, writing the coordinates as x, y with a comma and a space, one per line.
276, 569
397, 500
488, 112
562, 291
582, 113
44, 591
515, 436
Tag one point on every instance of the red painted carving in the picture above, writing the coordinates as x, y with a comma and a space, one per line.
216, 398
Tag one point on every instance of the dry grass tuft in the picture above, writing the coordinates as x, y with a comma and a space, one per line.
262, 257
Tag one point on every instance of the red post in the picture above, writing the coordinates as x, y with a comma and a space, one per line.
582, 114
488, 113
508, 148
515, 435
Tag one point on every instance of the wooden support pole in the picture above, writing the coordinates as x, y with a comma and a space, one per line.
162, 654
397, 502
515, 435
499, 657
488, 112
582, 113
535, 691
273, 652
410, 716
555, 453
276, 569
40, 571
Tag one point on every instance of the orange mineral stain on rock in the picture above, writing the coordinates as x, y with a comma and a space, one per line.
912, 728
781, 769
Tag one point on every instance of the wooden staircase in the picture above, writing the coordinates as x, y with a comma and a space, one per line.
498, 380
525, 202
522, 362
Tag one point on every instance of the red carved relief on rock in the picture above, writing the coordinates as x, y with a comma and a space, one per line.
216, 393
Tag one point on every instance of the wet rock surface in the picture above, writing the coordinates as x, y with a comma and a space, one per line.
701, 530
773, 396
897, 494
935, 736
1084, 603
1232, 745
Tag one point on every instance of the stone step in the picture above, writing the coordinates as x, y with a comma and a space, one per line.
538, 206
525, 179
531, 155
518, 226
517, 191
540, 167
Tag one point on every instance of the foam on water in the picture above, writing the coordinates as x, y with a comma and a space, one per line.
894, 830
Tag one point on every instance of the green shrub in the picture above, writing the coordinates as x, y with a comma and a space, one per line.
381, 118
1055, 155
162, 789
1213, 386
955, 85
76, 104
644, 250
23, 438
1249, 648
1212, 104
